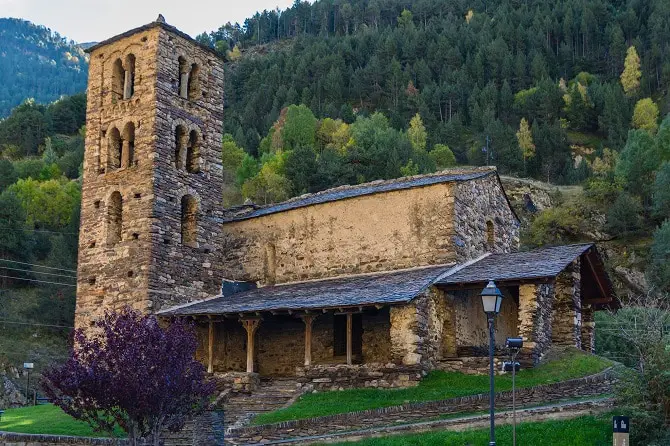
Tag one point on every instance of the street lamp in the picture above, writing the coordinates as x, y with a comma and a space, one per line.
28, 366
491, 300
513, 345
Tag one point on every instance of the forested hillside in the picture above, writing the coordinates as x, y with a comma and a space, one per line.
472, 70
37, 63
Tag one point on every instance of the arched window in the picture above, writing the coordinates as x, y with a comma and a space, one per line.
114, 218
193, 152
181, 142
490, 235
128, 145
194, 82
189, 220
129, 77
184, 71
118, 78
114, 148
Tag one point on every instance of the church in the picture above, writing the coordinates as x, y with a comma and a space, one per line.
372, 284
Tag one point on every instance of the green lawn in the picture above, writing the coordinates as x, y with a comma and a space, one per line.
582, 431
436, 386
46, 419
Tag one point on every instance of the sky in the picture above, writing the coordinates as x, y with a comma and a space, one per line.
96, 20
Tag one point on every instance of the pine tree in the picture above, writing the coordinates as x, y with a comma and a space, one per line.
630, 77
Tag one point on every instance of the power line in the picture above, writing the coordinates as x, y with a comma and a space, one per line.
39, 281
38, 230
38, 266
3, 321
37, 272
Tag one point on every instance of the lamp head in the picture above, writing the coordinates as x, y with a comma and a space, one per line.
491, 298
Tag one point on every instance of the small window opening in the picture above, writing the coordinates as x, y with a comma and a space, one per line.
136, 236
340, 334
138, 195
128, 145
166, 241
91, 280
118, 78
96, 204
114, 218
193, 153
490, 235
92, 244
129, 77
131, 274
189, 220
181, 142
194, 82
114, 148
184, 73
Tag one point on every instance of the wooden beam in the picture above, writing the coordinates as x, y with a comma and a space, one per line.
349, 336
250, 325
210, 347
308, 319
593, 271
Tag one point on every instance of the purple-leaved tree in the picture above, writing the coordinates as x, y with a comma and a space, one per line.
132, 372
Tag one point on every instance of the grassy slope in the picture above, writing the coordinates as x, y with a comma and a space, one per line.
436, 386
46, 419
582, 431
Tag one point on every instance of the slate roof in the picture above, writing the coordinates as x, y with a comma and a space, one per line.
342, 192
537, 264
370, 289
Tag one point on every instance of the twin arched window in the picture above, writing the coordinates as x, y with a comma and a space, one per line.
187, 149
189, 79
121, 147
123, 78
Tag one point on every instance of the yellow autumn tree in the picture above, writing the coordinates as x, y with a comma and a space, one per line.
645, 115
630, 77
417, 133
525, 138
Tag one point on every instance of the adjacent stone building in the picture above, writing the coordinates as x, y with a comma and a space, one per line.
366, 285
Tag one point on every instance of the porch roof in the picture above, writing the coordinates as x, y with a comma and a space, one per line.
537, 264
342, 292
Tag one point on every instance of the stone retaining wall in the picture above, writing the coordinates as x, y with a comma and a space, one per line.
591, 385
15, 439
237, 381
342, 376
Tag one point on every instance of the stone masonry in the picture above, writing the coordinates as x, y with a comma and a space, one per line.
131, 250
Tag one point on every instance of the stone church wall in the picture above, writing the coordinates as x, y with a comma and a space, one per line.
567, 318
478, 203
379, 232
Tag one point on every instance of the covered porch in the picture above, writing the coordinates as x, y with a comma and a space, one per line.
389, 329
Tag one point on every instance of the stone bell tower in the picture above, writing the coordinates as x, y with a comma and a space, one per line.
152, 179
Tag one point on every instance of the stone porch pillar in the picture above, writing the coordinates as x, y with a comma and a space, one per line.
588, 329
308, 319
567, 323
535, 317
250, 325
405, 338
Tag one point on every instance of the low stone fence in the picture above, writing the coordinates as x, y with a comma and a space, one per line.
237, 381
342, 376
15, 439
587, 386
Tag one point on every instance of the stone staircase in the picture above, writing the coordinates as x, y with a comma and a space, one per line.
271, 394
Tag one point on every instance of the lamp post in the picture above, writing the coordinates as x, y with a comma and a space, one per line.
28, 366
491, 300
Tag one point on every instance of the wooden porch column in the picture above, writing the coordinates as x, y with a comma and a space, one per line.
210, 346
349, 336
250, 325
308, 319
